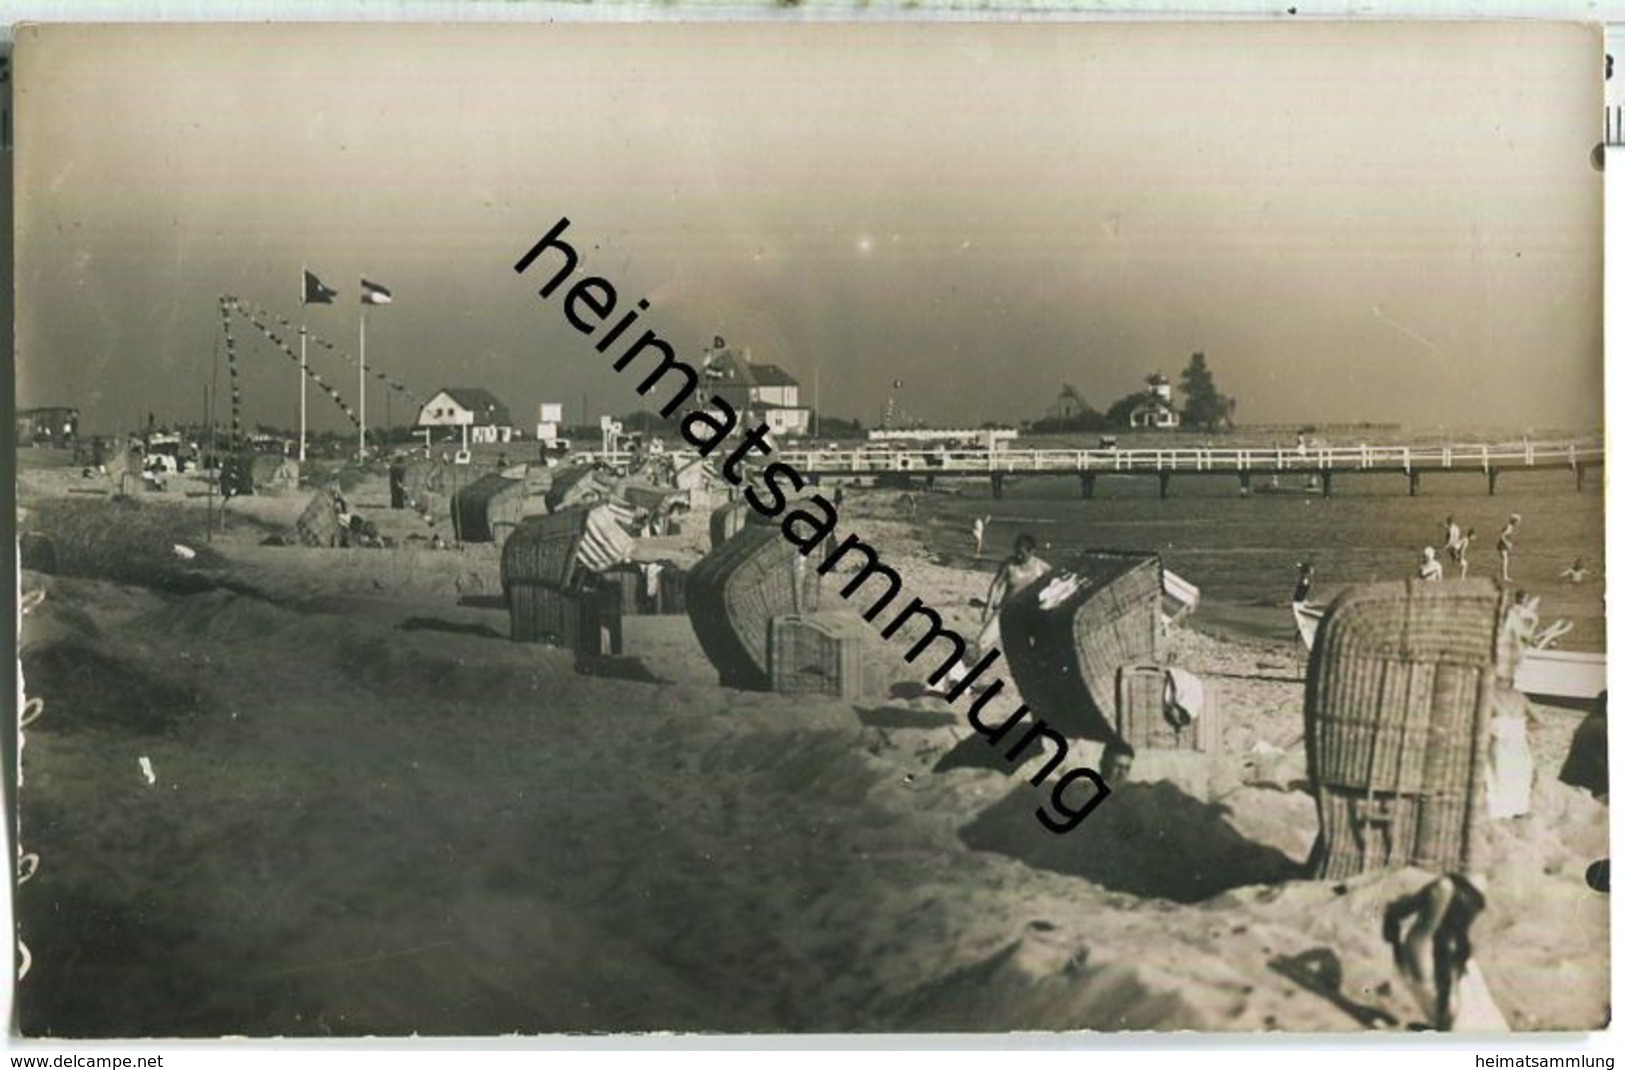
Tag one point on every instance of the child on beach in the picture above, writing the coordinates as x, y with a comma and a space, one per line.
1504, 546
1576, 573
1461, 550
978, 531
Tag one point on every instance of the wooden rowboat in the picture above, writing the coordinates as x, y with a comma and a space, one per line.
1561, 674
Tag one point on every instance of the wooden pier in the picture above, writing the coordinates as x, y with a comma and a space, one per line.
1254, 469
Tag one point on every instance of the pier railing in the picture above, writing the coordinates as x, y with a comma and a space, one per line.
863, 460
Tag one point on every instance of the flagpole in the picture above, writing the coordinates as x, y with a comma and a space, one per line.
303, 372
362, 372
815, 402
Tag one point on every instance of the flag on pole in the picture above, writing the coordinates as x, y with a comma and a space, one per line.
374, 294
317, 292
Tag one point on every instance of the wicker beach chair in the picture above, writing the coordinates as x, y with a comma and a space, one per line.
552, 594
726, 520
479, 508
268, 473
818, 654
1150, 718
1067, 635
1401, 690
318, 525
734, 593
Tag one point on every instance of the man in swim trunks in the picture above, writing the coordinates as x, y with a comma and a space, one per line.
1018, 571
1503, 546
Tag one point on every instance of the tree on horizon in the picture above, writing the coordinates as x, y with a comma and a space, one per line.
1205, 407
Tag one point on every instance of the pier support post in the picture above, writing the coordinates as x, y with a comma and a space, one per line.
1326, 483
1086, 485
1246, 484
1493, 473
998, 485
1164, 480
1416, 482
1579, 478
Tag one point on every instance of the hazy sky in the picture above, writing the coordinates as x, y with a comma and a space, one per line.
1393, 223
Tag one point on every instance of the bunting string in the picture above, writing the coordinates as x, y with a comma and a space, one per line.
255, 313
231, 367
230, 304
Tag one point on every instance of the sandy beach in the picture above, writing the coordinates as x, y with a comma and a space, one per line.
372, 813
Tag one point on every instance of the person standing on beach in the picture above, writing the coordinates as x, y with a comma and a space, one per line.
978, 531
1504, 546
1460, 553
1452, 538
1576, 573
1306, 579
1431, 570
1018, 571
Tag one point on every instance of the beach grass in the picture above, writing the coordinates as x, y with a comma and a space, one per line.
125, 539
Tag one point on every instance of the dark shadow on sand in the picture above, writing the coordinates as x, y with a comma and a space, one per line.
904, 717
90, 690
1257, 676
1150, 840
432, 624
483, 601
973, 752
617, 667
1320, 971
83, 940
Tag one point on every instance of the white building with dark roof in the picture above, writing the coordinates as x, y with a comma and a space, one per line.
472, 407
767, 390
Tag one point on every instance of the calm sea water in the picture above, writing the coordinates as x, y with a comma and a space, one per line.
1244, 551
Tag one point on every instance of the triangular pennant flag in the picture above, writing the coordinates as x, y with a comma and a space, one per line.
318, 292
374, 294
